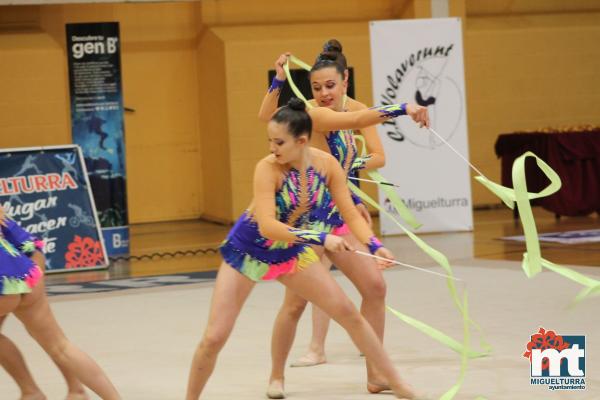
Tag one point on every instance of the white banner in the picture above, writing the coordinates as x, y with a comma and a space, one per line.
421, 61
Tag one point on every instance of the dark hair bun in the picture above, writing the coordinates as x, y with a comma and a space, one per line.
296, 118
328, 56
296, 104
331, 56
332, 46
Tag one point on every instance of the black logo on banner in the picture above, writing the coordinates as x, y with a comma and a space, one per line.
422, 78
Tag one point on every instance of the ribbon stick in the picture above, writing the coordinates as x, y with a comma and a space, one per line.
456, 151
372, 181
362, 253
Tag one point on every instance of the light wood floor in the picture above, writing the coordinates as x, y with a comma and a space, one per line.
144, 338
482, 243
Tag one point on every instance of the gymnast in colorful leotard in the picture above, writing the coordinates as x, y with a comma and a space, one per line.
281, 235
328, 82
22, 292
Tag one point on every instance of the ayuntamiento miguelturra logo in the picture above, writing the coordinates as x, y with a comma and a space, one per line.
557, 361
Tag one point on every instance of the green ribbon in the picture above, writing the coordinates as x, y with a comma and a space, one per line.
391, 194
462, 348
532, 258
300, 63
442, 261
464, 359
286, 68
395, 200
440, 258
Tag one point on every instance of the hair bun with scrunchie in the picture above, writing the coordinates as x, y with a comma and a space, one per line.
296, 104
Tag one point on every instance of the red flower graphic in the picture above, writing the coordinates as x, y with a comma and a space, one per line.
84, 252
545, 340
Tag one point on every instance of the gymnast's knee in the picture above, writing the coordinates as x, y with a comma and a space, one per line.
376, 290
57, 351
344, 312
213, 341
294, 309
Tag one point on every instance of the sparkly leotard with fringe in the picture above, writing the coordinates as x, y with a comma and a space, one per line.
18, 273
342, 146
291, 211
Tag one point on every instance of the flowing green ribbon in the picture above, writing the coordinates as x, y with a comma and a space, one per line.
437, 256
286, 68
442, 261
395, 200
532, 258
390, 193
300, 63
462, 348
464, 359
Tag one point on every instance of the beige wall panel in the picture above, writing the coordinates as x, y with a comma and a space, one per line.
159, 81
525, 73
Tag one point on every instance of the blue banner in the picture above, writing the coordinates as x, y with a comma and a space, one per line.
97, 123
46, 191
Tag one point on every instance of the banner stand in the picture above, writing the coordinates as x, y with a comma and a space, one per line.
47, 191
427, 70
97, 123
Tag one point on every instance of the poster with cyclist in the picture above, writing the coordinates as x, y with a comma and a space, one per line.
47, 191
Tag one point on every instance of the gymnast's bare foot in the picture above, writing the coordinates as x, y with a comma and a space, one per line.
34, 396
275, 389
310, 359
375, 387
77, 396
405, 391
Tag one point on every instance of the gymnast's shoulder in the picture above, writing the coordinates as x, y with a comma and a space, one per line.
322, 158
354, 105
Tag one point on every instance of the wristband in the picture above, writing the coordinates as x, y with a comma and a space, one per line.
374, 244
392, 110
276, 84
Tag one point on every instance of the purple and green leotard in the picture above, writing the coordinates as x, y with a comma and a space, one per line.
275, 235
18, 272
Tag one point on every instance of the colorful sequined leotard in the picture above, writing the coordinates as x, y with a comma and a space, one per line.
290, 212
341, 144
18, 273
343, 147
